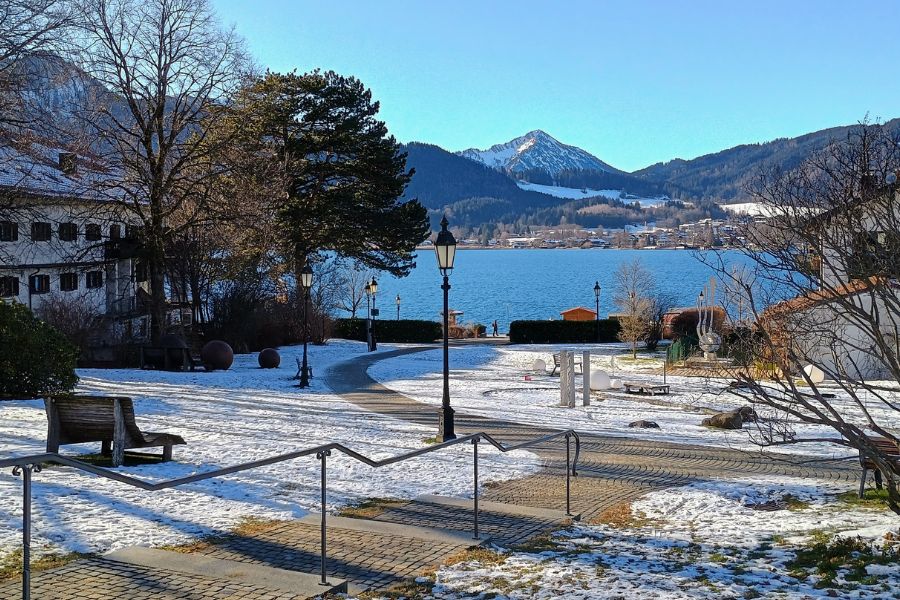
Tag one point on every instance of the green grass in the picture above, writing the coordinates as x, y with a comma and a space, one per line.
430, 440
132, 459
825, 557
871, 498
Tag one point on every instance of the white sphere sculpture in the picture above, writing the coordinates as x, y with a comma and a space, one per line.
539, 366
615, 384
815, 374
599, 380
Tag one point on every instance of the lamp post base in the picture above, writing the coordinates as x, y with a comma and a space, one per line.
446, 430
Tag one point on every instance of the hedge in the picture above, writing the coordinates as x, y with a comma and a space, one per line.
35, 359
404, 330
563, 332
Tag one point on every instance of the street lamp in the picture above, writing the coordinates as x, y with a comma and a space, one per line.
445, 250
398, 306
597, 298
306, 279
373, 289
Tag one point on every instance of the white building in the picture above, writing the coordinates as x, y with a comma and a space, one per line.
62, 242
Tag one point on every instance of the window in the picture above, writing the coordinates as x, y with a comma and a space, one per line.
115, 231
39, 284
40, 232
68, 282
9, 286
140, 272
94, 279
9, 231
92, 232
68, 232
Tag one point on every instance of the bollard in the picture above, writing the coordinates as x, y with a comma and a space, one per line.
563, 375
586, 378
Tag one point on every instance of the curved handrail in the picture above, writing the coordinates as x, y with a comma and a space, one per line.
53, 457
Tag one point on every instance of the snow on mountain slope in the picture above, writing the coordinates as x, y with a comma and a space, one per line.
537, 150
580, 194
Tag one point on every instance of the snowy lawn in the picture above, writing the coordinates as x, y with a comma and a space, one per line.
499, 383
738, 539
228, 417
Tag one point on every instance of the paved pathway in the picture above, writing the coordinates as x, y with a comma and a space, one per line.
376, 555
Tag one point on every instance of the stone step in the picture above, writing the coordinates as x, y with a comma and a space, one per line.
402, 530
518, 510
294, 583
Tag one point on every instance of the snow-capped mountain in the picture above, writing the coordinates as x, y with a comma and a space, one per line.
537, 151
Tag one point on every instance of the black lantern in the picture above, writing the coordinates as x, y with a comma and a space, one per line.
445, 251
398, 306
306, 281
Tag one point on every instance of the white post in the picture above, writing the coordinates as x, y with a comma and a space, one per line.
570, 390
586, 378
563, 374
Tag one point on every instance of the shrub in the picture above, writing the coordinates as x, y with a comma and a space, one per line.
404, 330
563, 332
35, 359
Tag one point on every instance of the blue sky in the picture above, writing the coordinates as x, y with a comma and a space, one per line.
633, 82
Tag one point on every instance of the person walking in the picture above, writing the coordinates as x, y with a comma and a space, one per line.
495, 328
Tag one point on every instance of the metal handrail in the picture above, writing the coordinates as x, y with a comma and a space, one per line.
27, 465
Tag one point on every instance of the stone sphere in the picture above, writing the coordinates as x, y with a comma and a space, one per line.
269, 358
815, 374
600, 380
539, 366
217, 356
615, 384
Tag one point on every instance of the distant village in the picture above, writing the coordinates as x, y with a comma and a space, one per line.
703, 234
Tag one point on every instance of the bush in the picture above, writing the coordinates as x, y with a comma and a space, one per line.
35, 359
563, 332
404, 330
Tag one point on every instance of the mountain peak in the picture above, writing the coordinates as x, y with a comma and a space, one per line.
537, 151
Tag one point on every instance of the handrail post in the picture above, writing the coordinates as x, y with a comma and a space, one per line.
568, 480
25, 471
475, 456
322, 455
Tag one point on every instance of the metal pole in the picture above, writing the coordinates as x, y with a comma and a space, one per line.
598, 318
445, 425
304, 368
475, 448
374, 343
25, 471
568, 470
322, 456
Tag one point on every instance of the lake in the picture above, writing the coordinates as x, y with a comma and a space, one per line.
534, 284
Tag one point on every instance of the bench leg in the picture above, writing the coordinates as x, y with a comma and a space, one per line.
878, 485
167, 453
862, 484
106, 448
118, 455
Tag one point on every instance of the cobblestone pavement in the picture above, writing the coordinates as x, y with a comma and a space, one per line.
100, 579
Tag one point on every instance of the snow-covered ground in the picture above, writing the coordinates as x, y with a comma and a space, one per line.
226, 417
707, 540
500, 383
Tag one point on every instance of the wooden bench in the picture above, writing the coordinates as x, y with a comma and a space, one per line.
556, 363
109, 420
646, 389
885, 445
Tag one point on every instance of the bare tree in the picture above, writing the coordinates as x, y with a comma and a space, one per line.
633, 298
352, 291
822, 290
169, 67
660, 303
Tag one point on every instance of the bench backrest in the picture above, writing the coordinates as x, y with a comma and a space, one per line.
91, 418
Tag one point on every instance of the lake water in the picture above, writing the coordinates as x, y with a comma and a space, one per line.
534, 284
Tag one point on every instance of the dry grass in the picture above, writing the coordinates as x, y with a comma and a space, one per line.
246, 527
479, 554
621, 516
369, 508
11, 564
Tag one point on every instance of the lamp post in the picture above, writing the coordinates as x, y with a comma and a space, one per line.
597, 298
373, 288
368, 316
445, 249
306, 278
398, 306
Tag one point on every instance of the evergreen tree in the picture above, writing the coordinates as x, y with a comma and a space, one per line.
341, 175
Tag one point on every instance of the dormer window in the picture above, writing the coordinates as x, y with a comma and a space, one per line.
68, 163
